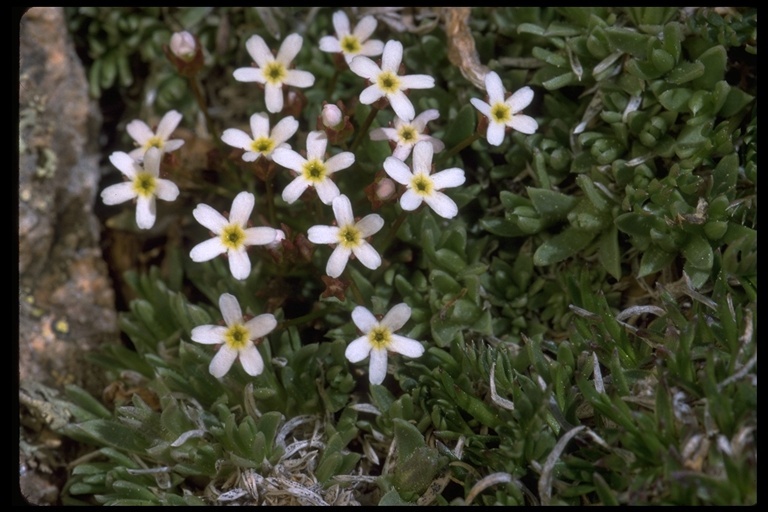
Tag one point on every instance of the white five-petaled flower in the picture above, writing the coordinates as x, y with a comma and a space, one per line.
263, 142
348, 236
379, 338
503, 113
386, 82
232, 236
421, 186
144, 185
146, 138
236, 339
313, 171
273, 71
352, 43
407, 133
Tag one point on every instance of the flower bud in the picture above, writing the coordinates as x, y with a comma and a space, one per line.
183, 45
331, 116
385, 188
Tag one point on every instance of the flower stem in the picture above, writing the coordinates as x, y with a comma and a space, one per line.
458, 147
355, 290
304, 319
270, 200
201, 103
364, 129
393, 229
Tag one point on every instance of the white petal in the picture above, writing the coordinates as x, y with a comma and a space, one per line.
250, 156
323, 234
340, 23
437, 144
207, 250
252, 362
237, 138
422, 157
145, 212
249, 75
370, 224
260, 236
242, 206
137, 154
222, 361
482, 106
410, 200
377, 367
338, 261
167, 124
327, 190
495, 134
364, 67
367, 255
365, 27
421, 120
383, 134
209, 334
289, 159
330, 44
152, 161
342, 210
258, 50
172, 145
392, 56
209, 218
299, 78
124, 163
339, 162
317, 141
364, 319
358, 350
261, 325
239, 263
294, 189
273, 96
119, 193
166, 190
452, 177
230, 309
402, 151
494, 88
371, 48
371, 93
290, 48
284, 130
259, 125
520, 99
416, 82
396, 317
139, 131
406, 346
401, 105
442, 205
524, 124
398, 170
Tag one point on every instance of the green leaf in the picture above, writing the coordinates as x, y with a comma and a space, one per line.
698, 252
627, 40
653, 260
734, 102
685, 72
676, 100
714, 61
550, 204
462, 126
608, 251
561, 246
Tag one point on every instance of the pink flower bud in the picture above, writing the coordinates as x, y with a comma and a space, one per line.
183, 45
280, 236
332, 116
385, 188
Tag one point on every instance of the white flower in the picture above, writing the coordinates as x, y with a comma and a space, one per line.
232, 237
423, 187
349, 237
183, 45
237, 338
263, 141
351, 44
406, 134
272, 71
146, 138
378, 338
386, 82
144, 185
314, 171
502, 114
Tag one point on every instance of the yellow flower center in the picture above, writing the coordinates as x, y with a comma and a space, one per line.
350, 44
144, 184
501, 113
407, 134
237, 336
388, 82
314, 171
380, 337
154, 142
232, 236
263, 145
275, 72
422, 185
349, 236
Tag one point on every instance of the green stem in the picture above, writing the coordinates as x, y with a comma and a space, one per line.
202, 104
393, 229
303, 319
270, 200
364, 128
458, 147
355, 290
332, 84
